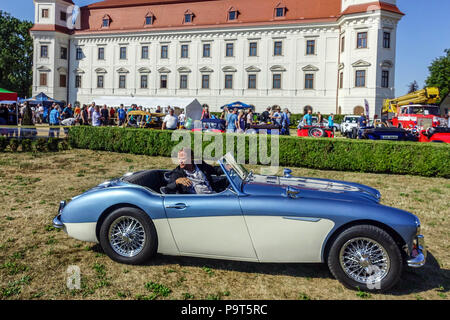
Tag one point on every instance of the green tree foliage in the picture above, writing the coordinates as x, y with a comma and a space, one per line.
16, 54
440, 74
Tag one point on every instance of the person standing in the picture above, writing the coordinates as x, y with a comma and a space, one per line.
224, 114
105, 115
249, 122
96, 117
67, 112
12, 120
112, 113
285, 122
331, 122
84, 116
182, 118
241, 122
121, 115
307, 119
54, 119
91, 111
205, 112
232, 121
170, 121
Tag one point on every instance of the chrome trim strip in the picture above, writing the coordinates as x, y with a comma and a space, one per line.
303, 219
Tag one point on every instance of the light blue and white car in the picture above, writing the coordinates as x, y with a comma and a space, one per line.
255, 218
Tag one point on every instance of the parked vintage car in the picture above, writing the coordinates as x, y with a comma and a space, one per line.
435, 134
144, 119
383, 133
315, 132
348, 124
254, 218
324, 123
211, 125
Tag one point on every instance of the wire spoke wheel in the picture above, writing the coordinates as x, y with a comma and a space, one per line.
364, 260
127, 236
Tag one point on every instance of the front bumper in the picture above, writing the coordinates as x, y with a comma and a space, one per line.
419, 253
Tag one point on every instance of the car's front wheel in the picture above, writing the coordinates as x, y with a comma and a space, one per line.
128, 235
365, 257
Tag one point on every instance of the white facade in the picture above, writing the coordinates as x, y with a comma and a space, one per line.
324, 66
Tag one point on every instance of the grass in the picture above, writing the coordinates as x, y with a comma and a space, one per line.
34, 257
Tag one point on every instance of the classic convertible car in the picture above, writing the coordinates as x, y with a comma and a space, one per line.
255, 218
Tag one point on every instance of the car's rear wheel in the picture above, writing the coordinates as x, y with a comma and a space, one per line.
128, 235
365, 257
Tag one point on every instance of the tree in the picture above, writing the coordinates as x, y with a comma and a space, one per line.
440, 74
413, 86
16, 54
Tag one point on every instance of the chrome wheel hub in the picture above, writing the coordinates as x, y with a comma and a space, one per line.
364, 260
127, 236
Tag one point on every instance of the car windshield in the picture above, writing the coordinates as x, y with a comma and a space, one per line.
235, 171
351, 119
425, 110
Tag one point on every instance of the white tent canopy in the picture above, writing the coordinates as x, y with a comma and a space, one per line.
191, 106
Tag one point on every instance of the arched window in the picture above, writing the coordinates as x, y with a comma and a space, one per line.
306, 109
358, 110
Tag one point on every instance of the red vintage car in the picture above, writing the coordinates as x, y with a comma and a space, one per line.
315, 132
435, 134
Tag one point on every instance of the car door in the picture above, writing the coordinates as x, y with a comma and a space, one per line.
283, 229
209, 225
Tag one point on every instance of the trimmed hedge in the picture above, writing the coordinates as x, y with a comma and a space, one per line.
423, 159
33, 145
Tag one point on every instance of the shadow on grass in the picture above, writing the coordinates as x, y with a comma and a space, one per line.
429, 277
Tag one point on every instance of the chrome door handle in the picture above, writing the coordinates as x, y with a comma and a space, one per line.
177, 206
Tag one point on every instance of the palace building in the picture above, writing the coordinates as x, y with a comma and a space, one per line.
330, 55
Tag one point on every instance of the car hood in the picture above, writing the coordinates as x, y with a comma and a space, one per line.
310, 188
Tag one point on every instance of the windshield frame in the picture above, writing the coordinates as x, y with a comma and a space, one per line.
239, 171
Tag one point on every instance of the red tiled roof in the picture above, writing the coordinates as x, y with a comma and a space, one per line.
376, 5
50, 27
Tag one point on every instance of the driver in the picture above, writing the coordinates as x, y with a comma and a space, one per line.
190, 178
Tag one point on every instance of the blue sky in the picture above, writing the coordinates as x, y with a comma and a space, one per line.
423, 34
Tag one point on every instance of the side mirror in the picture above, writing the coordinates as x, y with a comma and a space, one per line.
287, 173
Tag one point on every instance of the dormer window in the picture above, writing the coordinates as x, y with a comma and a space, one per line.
149, 19
232, 14
106, 21
188, 16
280, 11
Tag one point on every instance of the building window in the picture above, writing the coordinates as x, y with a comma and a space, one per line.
43, 79
280, 12
360, 79
342, 44
230, 50
276, 83
206, 50
44, 13
63, 53
144, 52
144, 81
44, 51
309, 81
387, 40
149, 20
310, 47
341, 80
205, 81
278, 48
228, 81
183, 81
122, 81
232, 15
184, 51
77, 81
188, 17
63, 16
105, 23
62, 80
101, 53
253, 49
123, 53
164, 52
252, 81
385, 79
79, 54
163, 81
100, 82
362, 40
